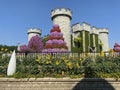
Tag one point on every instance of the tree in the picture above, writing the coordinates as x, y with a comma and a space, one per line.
35, 44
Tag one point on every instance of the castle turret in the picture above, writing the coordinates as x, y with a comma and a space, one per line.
33, 32
62, 17
103, 36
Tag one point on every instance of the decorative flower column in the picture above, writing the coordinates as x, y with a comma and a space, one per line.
55, 41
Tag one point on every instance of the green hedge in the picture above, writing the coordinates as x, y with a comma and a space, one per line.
91, 40
96, 43
87, 40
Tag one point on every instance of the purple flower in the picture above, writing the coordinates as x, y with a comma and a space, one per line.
55, 26
35, 44
55, 41
60, 34
49, 42
56, 34
23, 48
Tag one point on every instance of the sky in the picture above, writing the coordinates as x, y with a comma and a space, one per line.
17, 16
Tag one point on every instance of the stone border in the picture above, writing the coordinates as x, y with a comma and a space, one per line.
46, 79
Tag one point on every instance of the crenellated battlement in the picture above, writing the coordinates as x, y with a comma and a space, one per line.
76, 27
35, 30
62, 11
103, 30
94, 30
86, 26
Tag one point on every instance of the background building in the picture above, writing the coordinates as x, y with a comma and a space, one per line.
79, 38
92, 39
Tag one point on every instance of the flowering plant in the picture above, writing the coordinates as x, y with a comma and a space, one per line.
55, 41
116, 47
23, 48
35, 44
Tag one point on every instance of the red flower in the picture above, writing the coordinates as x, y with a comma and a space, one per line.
53, 30
58, 30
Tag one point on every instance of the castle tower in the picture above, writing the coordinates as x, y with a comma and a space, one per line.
103, 36
62, 17
33, 32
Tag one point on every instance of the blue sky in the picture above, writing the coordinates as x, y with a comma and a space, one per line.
17, 16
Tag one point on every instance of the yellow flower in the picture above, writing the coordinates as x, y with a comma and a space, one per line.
69, 64
6, 49
57, 62
48, 57
80, 59
86, 54
66, 61
2, 49
63, 73
50, 62
102, 54
10, 51
47, 62
77, 65
63, 57
38, 60
99, 54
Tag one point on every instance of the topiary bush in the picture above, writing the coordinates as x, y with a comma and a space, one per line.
35, 44
23, 48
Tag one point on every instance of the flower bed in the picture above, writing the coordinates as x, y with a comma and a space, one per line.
66, 65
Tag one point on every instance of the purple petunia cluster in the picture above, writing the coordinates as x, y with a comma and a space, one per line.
55, 43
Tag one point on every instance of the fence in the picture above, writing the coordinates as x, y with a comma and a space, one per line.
56, 54
77, 55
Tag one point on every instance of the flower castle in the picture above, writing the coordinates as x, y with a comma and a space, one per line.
90, 38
